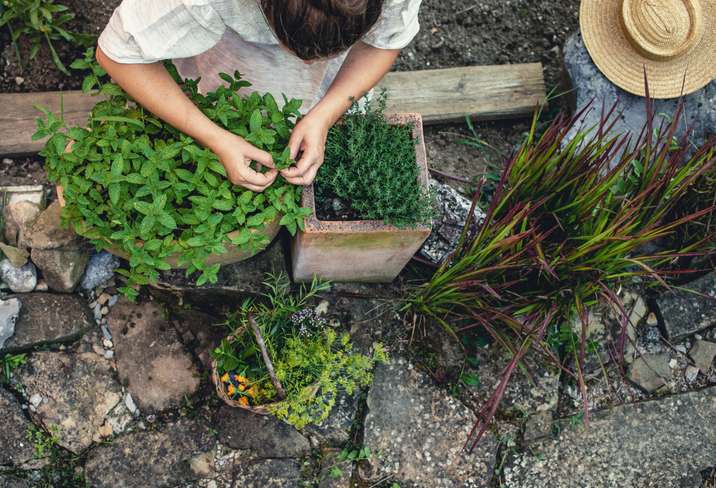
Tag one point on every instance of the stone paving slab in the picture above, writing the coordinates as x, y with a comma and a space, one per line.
418, 433
177, 453
47, 318
15, 449
72, 394
662, 443
151, 360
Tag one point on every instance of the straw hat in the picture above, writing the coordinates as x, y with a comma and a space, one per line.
672, 39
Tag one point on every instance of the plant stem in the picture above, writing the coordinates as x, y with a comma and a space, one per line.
264, 352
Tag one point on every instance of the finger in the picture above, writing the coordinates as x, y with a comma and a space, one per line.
261, 157
259, 179
308, 160
307, 178
294, 144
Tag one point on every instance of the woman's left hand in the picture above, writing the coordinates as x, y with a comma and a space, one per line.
308, 139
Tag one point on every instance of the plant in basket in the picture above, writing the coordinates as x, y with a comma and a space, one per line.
281, 358
136, 186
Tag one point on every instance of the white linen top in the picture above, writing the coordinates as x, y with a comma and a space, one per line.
207, 37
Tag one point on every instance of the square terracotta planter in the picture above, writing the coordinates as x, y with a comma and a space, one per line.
361, 250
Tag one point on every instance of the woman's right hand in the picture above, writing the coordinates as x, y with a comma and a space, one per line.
236, 155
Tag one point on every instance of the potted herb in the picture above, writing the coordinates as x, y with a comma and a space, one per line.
137, 187
281, 358
370, 206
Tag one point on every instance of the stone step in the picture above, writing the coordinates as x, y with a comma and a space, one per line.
663, 443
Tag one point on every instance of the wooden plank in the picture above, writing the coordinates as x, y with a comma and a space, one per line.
18, 116
441, 95
484, 92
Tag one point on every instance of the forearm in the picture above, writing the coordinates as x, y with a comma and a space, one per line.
362, 70
153, 87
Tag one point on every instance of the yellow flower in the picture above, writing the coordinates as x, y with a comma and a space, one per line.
225, 378
241, 379
251, 392
244, 401
242, 387
231, 390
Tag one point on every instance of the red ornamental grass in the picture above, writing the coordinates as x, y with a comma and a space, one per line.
569, 223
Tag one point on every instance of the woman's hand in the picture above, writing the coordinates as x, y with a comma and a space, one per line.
236, 155
308, 139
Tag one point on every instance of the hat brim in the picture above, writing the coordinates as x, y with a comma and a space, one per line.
601, 25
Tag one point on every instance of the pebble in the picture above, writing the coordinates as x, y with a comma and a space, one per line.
103, 299
104, 310
131, 406
97, 313
20, 280
19, 80
106, 333
681, 348
107, 344
98, 350
691, 374
36, 400
651, 320
322, 308
211, 484
113, 300
673, 364
42, 286
109, 354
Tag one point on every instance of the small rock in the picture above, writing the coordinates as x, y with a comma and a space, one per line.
36, 400
651, 371
651, 320
62, 268
322, 308
42, 286
107, 343
100, 269
109, 354
264, 436
538, 426
103, 299
131, 406
47, 232
673, 364
106, 430
17, 257
19, 80
703, 354
337, 205
19, 217
104, 310
105, 333
19, 280
112, 301
688, 311
9, 312
691, 374
268, 473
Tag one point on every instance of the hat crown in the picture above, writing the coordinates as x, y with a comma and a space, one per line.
663, 29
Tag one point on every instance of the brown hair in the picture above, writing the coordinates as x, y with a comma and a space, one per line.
315, 29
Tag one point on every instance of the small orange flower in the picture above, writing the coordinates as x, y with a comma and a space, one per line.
225, 378
244, 401
251, 392
231, 390
242, 387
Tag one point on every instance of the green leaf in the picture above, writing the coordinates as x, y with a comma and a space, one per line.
144, 208
167, 221
256, 121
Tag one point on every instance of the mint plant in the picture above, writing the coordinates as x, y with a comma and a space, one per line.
134, 183
39, 21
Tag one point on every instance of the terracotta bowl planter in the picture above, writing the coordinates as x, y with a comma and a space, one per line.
360, 250
233, 254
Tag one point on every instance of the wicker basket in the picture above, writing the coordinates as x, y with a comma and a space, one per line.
219, 385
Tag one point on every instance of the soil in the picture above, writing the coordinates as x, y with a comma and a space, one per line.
453, 33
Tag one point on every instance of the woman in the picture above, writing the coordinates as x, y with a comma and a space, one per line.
325, 52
